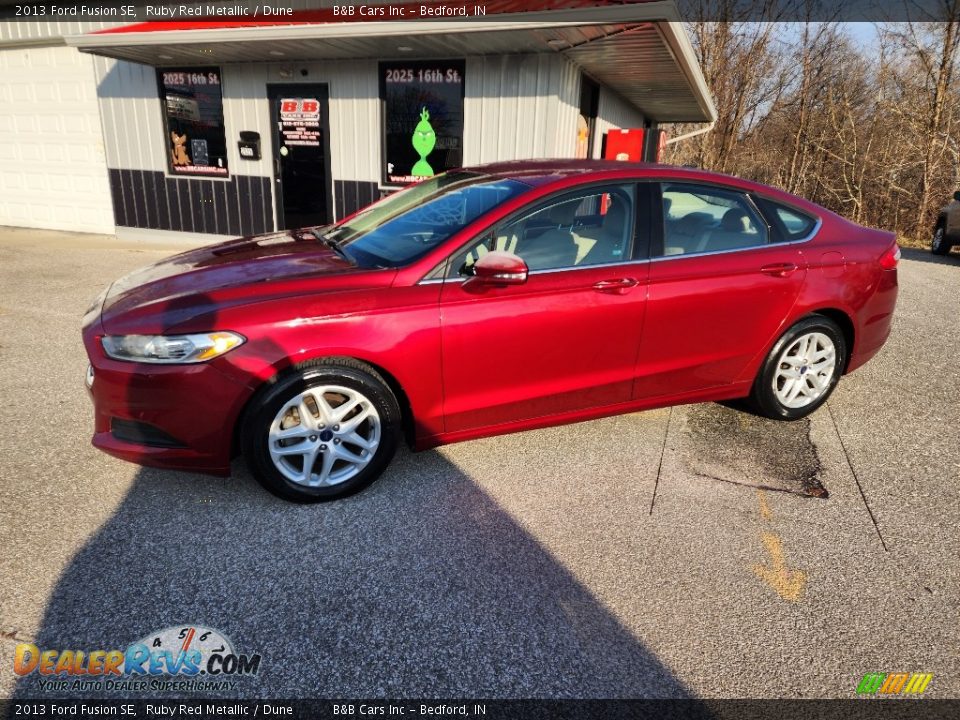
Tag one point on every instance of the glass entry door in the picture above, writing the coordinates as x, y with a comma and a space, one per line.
301, 154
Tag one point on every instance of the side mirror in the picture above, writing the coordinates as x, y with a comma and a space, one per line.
498, 268
956, 196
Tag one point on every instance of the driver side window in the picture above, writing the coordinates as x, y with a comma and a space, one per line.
592, 227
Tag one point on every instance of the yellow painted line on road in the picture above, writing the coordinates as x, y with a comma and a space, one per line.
765, 512
787, 582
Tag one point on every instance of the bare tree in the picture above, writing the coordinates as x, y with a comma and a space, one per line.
869, 129
930, 51
742, 68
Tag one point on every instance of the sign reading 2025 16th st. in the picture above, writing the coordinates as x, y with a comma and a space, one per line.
181, 658
194, 132
422, 119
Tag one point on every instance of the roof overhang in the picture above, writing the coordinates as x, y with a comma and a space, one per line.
639, 50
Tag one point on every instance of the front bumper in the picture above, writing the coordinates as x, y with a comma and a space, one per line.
198, 405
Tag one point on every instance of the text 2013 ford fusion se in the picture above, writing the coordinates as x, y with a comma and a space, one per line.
478, 302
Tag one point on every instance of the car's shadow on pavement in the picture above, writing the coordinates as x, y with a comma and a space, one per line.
919, 255
420, 586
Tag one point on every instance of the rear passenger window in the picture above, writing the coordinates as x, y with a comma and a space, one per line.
699, 219
789, 223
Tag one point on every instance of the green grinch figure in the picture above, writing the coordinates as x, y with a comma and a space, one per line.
424, 139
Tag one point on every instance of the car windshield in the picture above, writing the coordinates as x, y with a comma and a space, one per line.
403, 227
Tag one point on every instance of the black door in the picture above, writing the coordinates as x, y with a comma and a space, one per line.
301, 154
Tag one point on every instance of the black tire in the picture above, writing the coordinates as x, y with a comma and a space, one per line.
940, 245
346, 373
763, 398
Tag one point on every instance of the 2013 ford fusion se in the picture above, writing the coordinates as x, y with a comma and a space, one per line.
483, 301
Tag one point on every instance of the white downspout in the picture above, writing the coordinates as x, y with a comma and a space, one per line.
694, 133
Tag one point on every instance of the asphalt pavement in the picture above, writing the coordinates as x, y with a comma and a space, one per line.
698, 551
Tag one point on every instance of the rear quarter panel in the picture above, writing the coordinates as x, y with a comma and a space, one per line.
844, 274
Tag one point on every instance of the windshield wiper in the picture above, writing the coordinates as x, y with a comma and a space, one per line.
333, 245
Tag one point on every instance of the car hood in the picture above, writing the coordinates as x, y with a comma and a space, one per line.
229, 273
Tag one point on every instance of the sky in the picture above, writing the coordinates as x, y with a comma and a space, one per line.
864, 32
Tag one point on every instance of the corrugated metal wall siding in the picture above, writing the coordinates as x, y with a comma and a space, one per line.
144, 195
354, 111
613, 112
133, 123
131, 115
354, 114
568, 94
516, 107
507, 98
519, 107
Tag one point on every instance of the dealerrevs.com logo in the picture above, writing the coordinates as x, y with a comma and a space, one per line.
181, 658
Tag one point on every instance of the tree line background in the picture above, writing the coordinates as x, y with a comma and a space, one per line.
870, 130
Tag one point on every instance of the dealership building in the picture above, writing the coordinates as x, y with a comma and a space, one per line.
219, 128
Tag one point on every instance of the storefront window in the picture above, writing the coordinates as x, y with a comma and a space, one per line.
423, 119
193, 106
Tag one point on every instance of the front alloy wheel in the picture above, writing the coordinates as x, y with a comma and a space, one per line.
322, 432
324, 436
801, 370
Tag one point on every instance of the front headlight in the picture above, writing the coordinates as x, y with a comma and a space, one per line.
171, 349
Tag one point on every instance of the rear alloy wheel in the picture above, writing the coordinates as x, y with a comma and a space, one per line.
323, 433
801, 370
940, 246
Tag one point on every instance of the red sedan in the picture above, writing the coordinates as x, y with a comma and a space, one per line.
483, 301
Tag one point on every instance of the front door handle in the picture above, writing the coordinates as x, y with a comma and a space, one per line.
779, 269
617, 286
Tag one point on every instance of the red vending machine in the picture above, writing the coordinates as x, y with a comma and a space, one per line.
624, 145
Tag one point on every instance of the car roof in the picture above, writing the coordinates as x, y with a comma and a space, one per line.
543, 172
539, 172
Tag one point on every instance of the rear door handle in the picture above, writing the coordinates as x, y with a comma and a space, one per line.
617, 286
779, 269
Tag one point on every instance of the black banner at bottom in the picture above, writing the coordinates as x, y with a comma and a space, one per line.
854, 709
